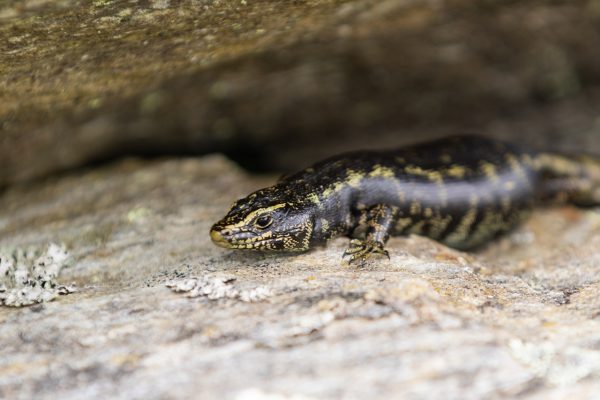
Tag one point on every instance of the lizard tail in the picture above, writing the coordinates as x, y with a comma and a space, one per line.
569, 179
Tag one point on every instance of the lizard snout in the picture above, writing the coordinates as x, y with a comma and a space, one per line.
218, 237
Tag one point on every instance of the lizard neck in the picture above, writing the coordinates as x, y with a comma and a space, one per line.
331, 213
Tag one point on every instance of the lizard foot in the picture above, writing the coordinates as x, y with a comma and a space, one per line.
359, 251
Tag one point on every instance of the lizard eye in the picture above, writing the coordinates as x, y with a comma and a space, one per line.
263, 221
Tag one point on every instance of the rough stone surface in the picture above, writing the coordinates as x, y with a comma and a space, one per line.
521, 318
283, 85
28, 276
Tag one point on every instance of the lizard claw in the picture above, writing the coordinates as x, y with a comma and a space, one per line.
359, 251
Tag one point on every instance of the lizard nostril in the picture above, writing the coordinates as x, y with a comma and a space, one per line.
226, 232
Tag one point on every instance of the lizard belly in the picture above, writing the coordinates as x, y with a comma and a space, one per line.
457, 212
466, 214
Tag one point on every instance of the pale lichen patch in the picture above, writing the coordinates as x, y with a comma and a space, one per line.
28, 276
215, 287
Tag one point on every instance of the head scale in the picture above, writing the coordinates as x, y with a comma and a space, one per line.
264, 221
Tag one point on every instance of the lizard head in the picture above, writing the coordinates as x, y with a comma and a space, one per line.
268, 220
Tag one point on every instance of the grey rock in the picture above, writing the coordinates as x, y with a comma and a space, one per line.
518, 319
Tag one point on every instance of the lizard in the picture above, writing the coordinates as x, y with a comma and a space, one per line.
462, 191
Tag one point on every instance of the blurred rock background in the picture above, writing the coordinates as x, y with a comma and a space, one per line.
278, 85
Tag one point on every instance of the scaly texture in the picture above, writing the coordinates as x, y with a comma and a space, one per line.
462, 191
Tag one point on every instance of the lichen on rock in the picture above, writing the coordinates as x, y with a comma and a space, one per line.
519, 319
28, 276
218, 287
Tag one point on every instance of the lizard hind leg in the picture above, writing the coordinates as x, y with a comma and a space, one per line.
380, 220
566, 179
590, 196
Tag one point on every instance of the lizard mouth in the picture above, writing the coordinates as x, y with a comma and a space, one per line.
255, 243
224, 238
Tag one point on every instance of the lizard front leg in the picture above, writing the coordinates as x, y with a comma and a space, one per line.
380, 220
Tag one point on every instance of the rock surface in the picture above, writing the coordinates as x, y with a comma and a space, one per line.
281, 86
521, 318
28, 276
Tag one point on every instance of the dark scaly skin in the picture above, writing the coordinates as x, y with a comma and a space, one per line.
461, 191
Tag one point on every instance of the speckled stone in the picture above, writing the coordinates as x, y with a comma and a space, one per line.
520, 318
